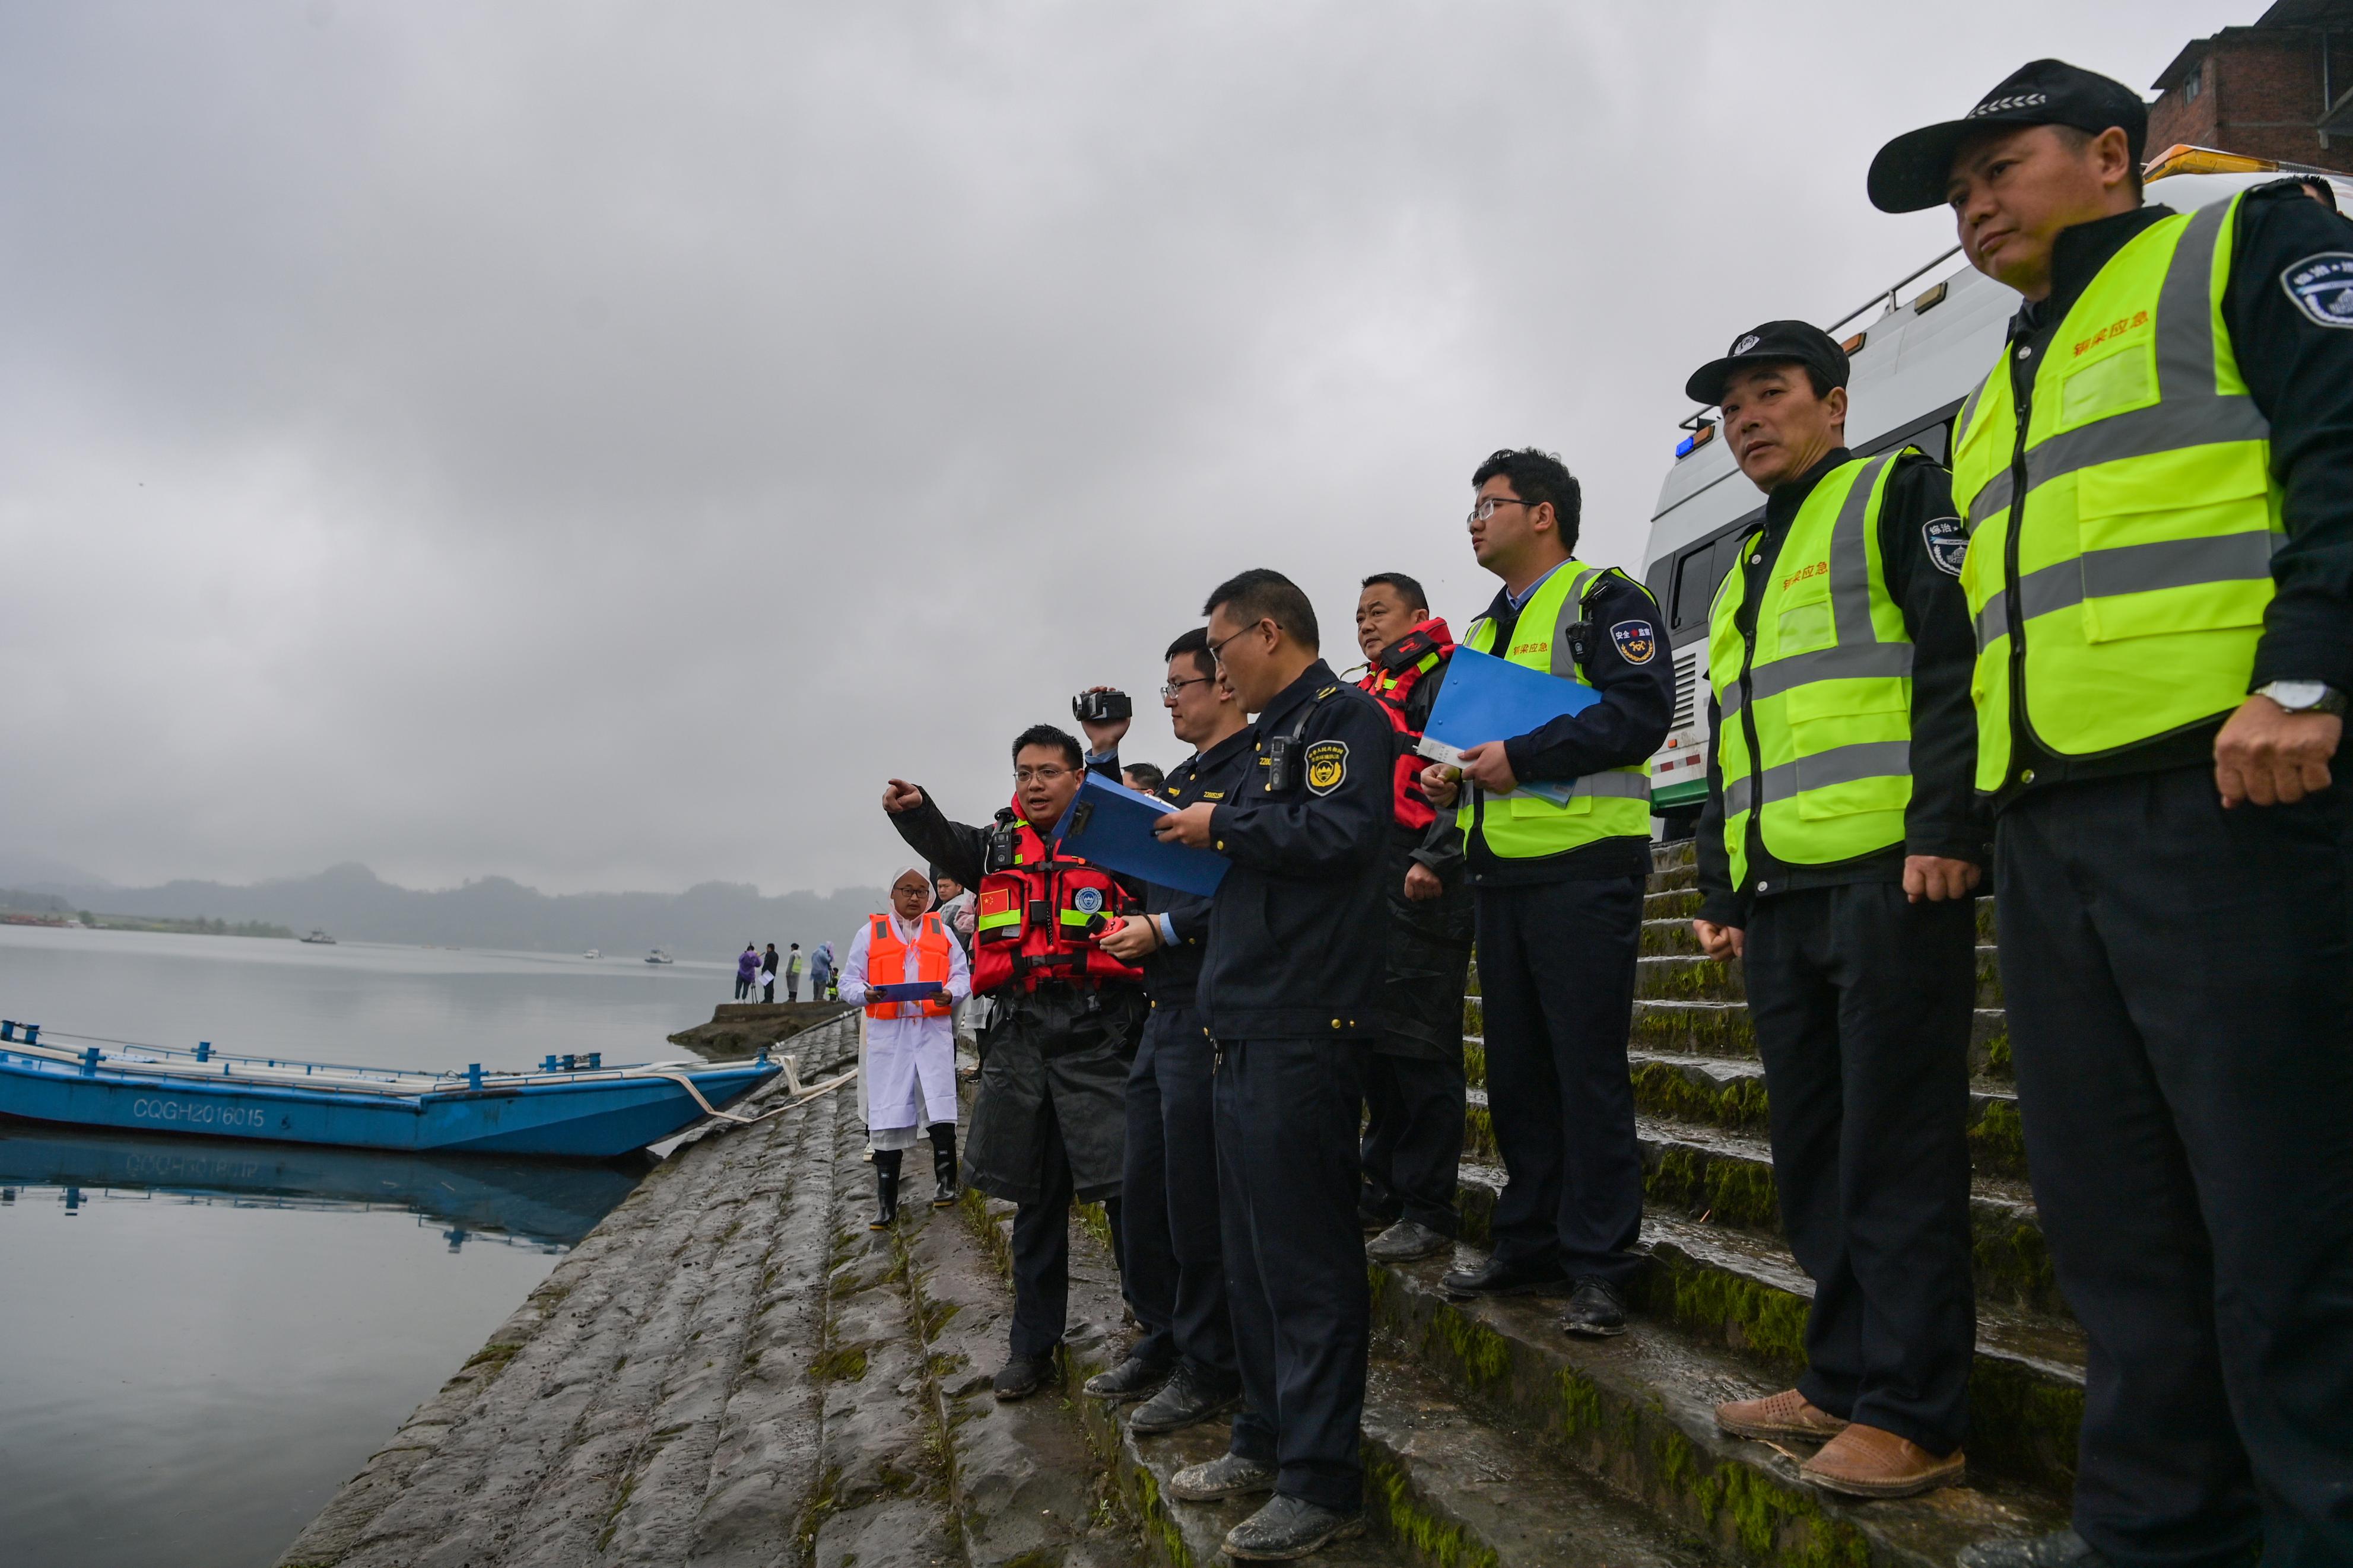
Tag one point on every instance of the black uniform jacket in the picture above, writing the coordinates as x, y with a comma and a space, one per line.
1297, 927
1059, 1045
1172, 974
1941, 818
2300, 372
1629, 722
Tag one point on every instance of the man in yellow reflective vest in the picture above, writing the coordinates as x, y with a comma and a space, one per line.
1556, 842
2158, 477
1837, 855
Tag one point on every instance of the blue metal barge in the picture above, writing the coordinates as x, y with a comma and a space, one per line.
574, 1106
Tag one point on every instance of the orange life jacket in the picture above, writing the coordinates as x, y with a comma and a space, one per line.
1389, 681
891, 962
1040, 914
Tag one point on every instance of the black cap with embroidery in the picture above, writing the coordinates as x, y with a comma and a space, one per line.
1775, 342
1911, 173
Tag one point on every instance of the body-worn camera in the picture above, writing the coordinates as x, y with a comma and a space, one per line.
1102, 706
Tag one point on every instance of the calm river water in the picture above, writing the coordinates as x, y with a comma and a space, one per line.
206, 1338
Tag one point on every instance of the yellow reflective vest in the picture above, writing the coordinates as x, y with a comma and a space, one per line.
2124, 600
1815, 736
1612, 804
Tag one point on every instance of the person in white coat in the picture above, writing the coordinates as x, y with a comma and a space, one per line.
910, 1042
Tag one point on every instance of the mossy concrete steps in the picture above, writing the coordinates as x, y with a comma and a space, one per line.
1741, 1291
1730, 1094
1711, 1028
1637, 1412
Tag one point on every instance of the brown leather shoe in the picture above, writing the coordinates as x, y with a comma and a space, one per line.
1782, 1414
1865, 1461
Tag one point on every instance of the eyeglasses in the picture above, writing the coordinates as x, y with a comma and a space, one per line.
1047, 774
1175, 688
1217, 649
1487, 505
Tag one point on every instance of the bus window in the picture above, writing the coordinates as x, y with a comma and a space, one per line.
1695, 587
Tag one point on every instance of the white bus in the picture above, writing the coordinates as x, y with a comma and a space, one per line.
1913, 365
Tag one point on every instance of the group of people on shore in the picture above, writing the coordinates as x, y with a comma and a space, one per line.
758, 971
2103, 657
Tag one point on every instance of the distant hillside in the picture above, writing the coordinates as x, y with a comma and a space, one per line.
712, 921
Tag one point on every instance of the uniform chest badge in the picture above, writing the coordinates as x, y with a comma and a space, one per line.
1089, 900
2322, 287
1636, 641
1947, 542
1328, 766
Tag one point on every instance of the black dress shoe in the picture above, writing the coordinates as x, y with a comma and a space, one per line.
2061, 1548
1595, 1309
1494, 1279
1214, 1480
1023, 1376
1185, 1401
1290, 1527
1135, 1378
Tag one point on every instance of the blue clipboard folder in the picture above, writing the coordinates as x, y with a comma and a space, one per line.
1111, 824
909, 990
1489, 698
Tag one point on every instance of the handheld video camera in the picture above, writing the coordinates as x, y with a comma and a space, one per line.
1102, 706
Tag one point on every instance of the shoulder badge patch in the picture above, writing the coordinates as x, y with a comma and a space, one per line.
1636, 642
1328, 766
1948, 543
2322, 287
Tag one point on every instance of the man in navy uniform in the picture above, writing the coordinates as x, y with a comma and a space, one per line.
1290, 993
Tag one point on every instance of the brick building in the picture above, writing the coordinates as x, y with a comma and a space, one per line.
2280, 89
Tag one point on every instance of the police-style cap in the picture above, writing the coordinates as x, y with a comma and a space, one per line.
1775, 342
1911, 173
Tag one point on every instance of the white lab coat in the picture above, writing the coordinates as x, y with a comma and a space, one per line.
911, 1051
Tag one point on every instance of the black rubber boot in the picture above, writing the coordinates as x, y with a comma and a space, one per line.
886, 1187
944, 1163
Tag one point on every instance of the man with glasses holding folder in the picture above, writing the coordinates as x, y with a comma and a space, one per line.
1558, 876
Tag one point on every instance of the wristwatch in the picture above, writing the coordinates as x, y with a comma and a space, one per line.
2303, 696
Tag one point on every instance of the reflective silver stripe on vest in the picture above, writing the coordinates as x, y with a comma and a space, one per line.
2188, 411
2131, 569
1615, 784
1784, 675
1860, 656
1572, 610
1840, 764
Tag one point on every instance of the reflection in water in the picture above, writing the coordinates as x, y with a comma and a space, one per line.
543, 1201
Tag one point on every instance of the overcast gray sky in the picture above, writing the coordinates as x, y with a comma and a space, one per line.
598, 443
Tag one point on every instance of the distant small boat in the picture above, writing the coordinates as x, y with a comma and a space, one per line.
659, 956
592, 953
318, 938
574, 1106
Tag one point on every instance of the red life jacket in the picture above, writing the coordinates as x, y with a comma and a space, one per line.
1040, 915
1389, 681
891, 962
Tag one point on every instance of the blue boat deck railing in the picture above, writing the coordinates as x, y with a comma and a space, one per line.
202, 1061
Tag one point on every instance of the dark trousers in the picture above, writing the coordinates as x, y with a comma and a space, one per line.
1172, 1258
1287, 1113
1041, 1250
2179, 986
1556, 985
743, 987
768, 989
1413, 1136
1861, 1004
792, 991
